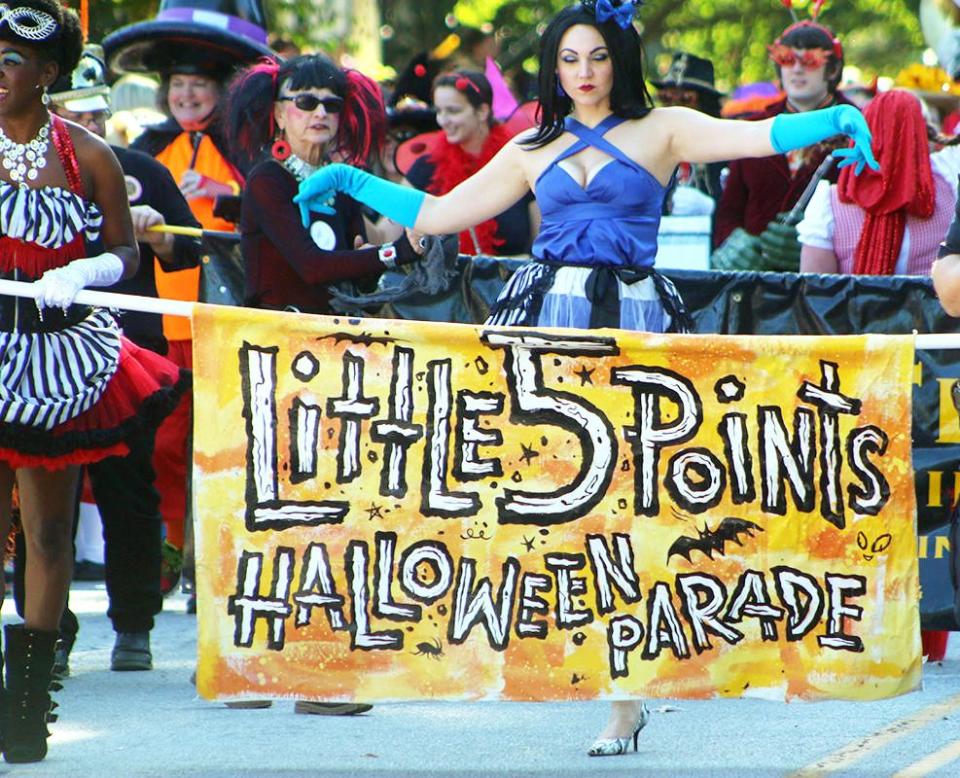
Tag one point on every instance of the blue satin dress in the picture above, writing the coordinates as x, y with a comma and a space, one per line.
594, 255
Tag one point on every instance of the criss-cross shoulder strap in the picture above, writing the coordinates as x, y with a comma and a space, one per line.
587, 136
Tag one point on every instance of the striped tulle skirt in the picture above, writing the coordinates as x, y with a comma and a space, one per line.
75, 395
553, 295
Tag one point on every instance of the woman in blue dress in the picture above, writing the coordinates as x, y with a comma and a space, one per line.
599, 165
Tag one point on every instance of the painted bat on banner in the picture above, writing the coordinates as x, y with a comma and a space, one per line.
713, 540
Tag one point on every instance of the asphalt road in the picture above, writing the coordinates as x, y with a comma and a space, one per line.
153, 724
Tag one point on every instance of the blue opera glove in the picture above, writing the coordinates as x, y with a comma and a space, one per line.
400, 203
796, 130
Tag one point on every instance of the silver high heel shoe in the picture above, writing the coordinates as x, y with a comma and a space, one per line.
615, 746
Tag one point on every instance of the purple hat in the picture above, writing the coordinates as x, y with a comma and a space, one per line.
213, 37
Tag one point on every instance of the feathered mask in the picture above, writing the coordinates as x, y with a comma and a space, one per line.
620, 11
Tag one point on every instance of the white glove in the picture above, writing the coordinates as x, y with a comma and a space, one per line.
58, 287
689, 201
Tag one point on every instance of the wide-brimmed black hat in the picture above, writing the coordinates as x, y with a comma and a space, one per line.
688, 71
212, 37
413, 115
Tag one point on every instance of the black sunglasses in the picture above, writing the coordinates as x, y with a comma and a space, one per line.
309, 103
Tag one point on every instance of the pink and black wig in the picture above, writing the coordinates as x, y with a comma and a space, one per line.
252, 94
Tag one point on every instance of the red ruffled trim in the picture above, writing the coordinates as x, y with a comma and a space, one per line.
140, 373
451, 166
144, 390
15, 460
33, 260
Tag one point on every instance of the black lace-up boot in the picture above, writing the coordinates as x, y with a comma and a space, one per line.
28, 706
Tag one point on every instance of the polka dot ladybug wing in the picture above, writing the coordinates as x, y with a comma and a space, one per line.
416, 148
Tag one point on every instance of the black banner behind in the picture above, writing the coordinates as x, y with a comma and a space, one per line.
740, 303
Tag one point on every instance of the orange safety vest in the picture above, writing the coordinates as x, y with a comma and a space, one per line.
185, 284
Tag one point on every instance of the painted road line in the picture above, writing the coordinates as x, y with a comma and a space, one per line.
853, 752
936, 760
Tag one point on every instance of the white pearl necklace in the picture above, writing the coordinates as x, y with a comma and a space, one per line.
25, 160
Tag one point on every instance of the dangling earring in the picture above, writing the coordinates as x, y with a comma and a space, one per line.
45, 98
280, 148
560, 92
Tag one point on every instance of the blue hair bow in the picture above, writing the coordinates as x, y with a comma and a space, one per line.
621, 11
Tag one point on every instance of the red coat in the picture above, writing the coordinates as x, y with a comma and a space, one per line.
757, 190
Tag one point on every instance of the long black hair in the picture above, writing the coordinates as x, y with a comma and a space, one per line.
629, 97
63, 45
252, 94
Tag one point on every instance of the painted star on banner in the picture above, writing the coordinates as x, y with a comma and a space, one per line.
529, 453
586, 376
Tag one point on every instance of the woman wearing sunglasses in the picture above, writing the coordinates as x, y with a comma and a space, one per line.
290, 119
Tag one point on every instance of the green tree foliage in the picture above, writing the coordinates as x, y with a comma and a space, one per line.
108, 15
879, 36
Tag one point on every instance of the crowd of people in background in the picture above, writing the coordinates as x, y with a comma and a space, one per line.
234, 133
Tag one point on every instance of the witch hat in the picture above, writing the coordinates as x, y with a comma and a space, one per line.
206, 36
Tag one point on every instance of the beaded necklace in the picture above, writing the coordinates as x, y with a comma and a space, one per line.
25, 160
299, 168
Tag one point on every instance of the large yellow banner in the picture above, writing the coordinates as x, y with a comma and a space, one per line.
392, 510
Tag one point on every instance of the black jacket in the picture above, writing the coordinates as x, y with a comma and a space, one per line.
150, 183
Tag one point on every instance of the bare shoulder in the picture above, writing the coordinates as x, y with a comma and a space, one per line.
670, 117
532, 158
524, 137
91, 149
650, 133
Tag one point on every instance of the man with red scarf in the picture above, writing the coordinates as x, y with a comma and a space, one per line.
809, 62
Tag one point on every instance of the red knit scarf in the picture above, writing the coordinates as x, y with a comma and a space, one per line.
451, 166
902, 187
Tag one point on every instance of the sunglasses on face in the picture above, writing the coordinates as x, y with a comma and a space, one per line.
809, 59
308, 103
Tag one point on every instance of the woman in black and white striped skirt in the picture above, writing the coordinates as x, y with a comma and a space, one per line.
72, 390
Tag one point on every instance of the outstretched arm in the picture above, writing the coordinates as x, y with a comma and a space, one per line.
946, 282
489, 192
946, 270
697, 137
700, 138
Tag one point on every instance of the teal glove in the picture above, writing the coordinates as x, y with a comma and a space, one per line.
780, 245
796, 130
400, 203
